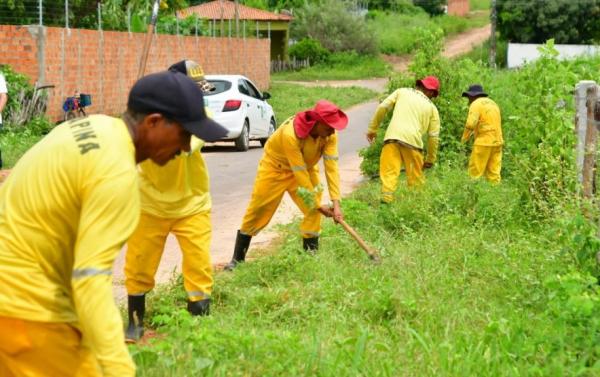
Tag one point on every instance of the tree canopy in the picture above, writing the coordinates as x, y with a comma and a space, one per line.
536, 21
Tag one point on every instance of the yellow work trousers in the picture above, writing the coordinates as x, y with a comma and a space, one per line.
146, 245
269, 187
44, 349
486, 160
393, 156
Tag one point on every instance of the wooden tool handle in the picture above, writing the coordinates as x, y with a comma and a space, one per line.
372, 254
148, 39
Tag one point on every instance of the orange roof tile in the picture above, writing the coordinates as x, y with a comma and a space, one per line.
225, 9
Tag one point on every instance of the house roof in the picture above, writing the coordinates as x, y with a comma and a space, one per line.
225, 9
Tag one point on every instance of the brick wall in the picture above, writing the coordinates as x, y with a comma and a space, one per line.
458, 7
105, 64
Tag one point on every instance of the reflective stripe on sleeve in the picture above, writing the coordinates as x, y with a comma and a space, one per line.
327, 157
298, 168
90, 272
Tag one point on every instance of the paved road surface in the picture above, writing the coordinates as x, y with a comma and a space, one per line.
232, 176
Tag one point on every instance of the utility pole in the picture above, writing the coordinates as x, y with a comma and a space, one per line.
493, 18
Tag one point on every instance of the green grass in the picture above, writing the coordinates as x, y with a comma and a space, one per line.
288, 99
476, 5
14, 144
399, 34
341, 66
468, 287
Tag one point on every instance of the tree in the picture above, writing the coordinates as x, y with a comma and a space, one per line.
433, 7
536, 21
337, 29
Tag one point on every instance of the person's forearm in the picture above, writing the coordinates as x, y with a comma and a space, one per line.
101, 324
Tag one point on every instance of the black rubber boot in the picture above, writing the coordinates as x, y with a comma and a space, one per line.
311, 244
201, 307
136, 306
242, 242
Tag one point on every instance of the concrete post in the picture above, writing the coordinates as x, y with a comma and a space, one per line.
591, 140
39, 32
581, 123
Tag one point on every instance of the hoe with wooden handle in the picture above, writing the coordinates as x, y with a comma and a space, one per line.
373, 255
148, 40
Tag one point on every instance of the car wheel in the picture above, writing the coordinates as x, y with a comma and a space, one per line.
272, 126
242, 143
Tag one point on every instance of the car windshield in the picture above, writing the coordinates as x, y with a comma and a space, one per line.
220, 87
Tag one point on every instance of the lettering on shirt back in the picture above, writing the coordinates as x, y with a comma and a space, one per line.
83, 133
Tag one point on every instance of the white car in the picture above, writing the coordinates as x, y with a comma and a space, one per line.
240, 107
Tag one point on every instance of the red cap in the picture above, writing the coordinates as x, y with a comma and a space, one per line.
431, 83
331, 115
324, 111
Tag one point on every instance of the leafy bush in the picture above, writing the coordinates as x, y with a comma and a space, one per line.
337, 29
433, 7
26, 106
400, 6
482, 53
539, 145
340, 66
309, 49
566, 21
169, 24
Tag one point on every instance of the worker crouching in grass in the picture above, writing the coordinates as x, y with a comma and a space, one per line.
66, 210
414, 116
484, 122
289, 164
174, 198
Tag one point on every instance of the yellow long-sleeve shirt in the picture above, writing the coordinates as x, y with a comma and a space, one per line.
485, 122
178, 189
414, 116
65, 212
286, 151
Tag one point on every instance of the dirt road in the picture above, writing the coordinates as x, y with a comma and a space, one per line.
455, 45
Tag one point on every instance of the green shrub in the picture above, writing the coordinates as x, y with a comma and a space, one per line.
538, 151
433, 7
337, 29
16, 84
26, 107
310, 49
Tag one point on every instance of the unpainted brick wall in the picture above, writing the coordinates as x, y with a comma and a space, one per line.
105, 64
458, 7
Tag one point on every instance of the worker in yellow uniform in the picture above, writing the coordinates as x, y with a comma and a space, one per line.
414, 116
484, 122
289, 164
174, 198
66, 210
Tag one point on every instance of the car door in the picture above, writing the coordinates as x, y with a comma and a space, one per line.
262, 116
252, 111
